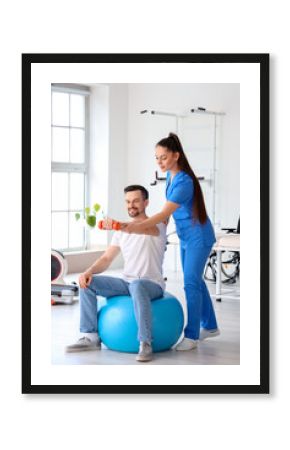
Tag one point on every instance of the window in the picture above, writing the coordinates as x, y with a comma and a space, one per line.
69, 166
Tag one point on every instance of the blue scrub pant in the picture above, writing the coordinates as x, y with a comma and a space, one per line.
200, 312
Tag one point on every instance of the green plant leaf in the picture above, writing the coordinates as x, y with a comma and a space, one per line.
91, 221
96, 207
77, 216
87, 210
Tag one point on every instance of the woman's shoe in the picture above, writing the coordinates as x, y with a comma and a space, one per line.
186, 344
204, 333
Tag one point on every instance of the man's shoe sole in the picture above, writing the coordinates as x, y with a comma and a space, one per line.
144, 358
82, 349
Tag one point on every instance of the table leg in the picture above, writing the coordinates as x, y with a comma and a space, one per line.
219, 276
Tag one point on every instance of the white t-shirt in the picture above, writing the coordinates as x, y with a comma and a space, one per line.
143, 254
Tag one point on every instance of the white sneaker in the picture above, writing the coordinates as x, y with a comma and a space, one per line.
145, 352
186, 344
204, 333
84, 344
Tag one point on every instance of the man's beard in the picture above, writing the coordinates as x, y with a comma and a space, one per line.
134, 212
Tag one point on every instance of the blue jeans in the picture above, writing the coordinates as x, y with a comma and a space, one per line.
200, 310
141, 291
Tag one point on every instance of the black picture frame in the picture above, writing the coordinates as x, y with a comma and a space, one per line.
263, 61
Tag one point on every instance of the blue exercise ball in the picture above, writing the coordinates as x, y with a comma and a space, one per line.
117, 325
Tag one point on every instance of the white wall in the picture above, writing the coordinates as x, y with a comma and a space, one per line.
108, 147
108, 155
118, 146
99, 155
118, 126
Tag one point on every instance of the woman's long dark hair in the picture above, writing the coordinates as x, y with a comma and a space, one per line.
173, 144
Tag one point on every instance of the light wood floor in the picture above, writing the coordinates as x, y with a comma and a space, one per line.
222, 350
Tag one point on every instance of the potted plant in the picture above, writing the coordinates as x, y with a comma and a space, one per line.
90, 219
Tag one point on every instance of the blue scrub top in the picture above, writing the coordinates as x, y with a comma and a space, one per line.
181, 191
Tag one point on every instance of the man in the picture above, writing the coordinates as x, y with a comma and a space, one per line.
142, 276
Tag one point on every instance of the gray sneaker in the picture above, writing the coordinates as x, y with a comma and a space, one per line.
145, 352
83, 344
204, 333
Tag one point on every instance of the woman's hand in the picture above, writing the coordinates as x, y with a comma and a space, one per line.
85, 279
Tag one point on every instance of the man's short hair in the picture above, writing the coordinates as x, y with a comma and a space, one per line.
137, 187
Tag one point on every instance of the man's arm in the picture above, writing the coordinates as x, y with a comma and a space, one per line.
152, 230
99, 266
105, 260
140, 227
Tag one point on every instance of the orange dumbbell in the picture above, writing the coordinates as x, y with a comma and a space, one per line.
115, 226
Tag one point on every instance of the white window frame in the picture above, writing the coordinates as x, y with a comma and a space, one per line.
74, 167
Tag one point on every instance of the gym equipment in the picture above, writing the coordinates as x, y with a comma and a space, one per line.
230, 259
117, 325
61, 292
58, 267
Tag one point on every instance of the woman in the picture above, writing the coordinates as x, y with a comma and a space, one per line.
194, 229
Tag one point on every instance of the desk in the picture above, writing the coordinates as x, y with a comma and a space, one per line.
225, 242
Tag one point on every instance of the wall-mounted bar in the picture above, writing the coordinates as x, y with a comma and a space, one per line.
161, 113
198, 110
201, 110
157, 178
